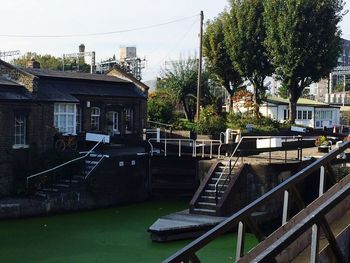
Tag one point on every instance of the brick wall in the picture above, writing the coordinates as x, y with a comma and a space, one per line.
14, 163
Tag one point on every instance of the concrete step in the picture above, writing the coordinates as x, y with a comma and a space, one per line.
208, 198
90, 163
41, 194
204, 211
60, 185
205, 205
213, 192
50, 189
67, 181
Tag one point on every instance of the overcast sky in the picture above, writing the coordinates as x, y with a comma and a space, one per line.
71, 17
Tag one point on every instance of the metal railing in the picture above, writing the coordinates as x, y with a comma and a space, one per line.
47, 172
101, 157
194, 147
227, 171
243, 216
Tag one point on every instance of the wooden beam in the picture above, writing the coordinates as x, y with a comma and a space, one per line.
194, 259
332, 241
253, 226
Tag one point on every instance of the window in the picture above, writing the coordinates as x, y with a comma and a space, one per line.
129, 120
299, 114
286, 114
304, 114
309, 115
65, 118
20, 130
78, 119
95, 118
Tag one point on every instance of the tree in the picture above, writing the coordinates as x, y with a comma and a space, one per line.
303, 40
181, 78
217, 59
51, 62
244, 35
160, 106
46, 61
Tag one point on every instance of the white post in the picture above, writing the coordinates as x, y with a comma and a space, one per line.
240, 240
285, 207
144, 135
158, 134
314, 244
321, 186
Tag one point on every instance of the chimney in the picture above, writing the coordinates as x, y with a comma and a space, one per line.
33, 63
81, 50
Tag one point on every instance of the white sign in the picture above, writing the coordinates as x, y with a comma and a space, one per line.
269, 143
94, 137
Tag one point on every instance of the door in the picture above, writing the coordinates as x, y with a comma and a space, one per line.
113, 123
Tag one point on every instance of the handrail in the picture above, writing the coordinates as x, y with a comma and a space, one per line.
191, 141
189, 250
95, 166
64, 164
161, 124
227, 166
216, 142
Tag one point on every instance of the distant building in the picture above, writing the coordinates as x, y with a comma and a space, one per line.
309, 113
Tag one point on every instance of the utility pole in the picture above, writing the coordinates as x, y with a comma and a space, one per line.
199, 67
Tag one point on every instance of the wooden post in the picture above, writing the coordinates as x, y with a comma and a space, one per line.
240, 240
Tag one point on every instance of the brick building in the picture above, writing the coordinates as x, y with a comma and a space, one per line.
35, 104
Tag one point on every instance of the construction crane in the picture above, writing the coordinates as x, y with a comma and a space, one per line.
4, 54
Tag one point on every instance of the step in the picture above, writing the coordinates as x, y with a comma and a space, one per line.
206, 205
209, 198
219, 185
50, 189
87, 162
58, 185
73, 181
41, 194
204, 211
213, 192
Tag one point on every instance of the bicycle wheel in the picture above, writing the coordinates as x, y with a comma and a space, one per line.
60, 145
73, 145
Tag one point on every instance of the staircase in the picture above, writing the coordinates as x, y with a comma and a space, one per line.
66, 176
212, 190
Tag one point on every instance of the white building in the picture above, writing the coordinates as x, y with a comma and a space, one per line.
309, 113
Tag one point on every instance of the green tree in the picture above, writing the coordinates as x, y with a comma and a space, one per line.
283, 91
46, 61
218, 61
244, 35
303, 40
160, 106
181, 78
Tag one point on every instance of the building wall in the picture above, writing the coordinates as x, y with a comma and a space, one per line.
16, 164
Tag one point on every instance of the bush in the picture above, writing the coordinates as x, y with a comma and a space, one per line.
160, 106
185, 125
210, 122
262, 124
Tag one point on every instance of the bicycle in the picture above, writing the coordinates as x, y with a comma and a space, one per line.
64, 142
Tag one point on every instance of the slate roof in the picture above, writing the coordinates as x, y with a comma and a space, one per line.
73, 75
58, 86
65, 91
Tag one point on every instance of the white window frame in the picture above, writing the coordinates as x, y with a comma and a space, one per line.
129, 117
95, 118
20, 131
63, 112
78, 118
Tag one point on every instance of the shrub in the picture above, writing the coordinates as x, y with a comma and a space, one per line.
160, 106
184, 124
210, 122
262, 124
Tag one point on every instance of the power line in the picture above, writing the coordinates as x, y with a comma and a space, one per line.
99, 33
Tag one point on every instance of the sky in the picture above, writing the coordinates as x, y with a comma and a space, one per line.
161, 30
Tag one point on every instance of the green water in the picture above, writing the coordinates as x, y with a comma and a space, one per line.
108, 235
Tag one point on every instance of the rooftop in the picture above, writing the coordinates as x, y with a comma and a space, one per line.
301, 101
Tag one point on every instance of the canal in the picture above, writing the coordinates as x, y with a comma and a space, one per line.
108, 235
